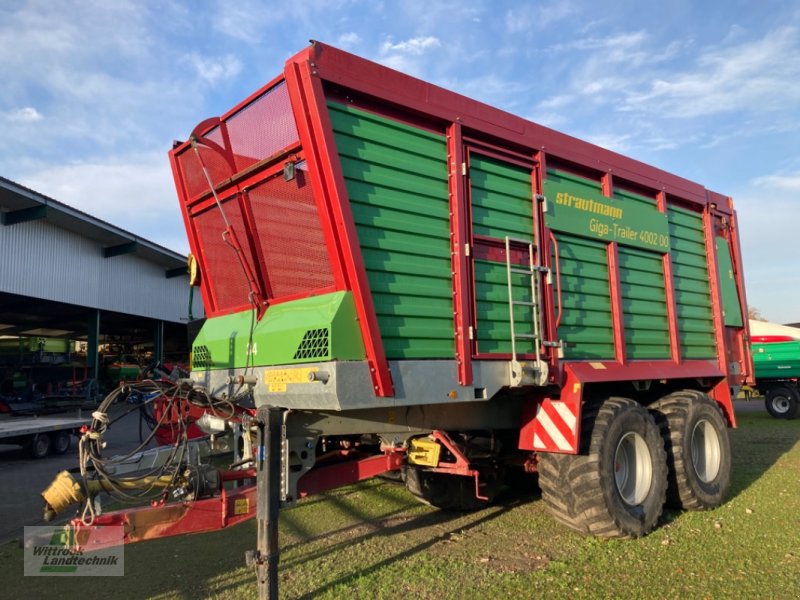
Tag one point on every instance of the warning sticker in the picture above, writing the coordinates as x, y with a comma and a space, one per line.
278, 379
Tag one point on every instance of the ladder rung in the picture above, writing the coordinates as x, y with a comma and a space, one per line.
522, 271
521, 241
527, 336
523, 303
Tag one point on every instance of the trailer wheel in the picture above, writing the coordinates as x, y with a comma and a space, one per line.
782, 402
60, 441
698, 449
440, 490
39, 445
616, 487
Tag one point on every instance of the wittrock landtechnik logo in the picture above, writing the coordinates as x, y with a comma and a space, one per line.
54, 551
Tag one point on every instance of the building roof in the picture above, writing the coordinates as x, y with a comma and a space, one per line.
19, 203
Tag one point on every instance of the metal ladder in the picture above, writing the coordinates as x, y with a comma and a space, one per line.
518, 370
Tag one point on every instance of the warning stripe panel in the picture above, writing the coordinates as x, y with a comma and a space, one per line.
555, 427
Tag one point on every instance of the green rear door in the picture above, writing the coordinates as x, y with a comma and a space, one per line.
501, 203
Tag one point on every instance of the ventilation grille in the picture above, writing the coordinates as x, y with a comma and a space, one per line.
201, 357
315, 344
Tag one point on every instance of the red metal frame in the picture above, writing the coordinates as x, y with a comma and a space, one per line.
397, 89
323, 478
743, 336
716, 297
316, 135
615, 290
229, 508
669, 289
459, 238
460, 467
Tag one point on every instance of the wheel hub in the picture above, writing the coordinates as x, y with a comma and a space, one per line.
706, 452
633, 469
780, 404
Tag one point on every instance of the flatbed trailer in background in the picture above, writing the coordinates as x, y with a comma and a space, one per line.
42, 435
399, 278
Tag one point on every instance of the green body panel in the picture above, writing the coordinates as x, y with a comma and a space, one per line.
491, 303
308, 330
577, 206
691, 284
501, 198
777, 360
644, 304
502, 206
397, 182
731, 308
586, 322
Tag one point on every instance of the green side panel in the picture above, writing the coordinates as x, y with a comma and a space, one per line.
644, 304
314, 329
586, 323
731, 309
576, 205
777, 360
501, 206
491, 303
691, 283
396, 178
502, 202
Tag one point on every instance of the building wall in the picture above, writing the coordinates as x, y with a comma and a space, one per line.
41, 260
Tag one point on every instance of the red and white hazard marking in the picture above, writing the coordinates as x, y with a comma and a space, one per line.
555, 427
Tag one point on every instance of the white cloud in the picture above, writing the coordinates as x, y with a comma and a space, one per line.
28, 114
134, 192
790, 183
763, 75
348, 41
407, 56
526, 18
415, 46
215, 70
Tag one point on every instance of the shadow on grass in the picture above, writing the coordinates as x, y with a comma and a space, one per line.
392, 525
757, 444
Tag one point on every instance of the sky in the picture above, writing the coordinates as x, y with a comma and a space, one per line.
93, 92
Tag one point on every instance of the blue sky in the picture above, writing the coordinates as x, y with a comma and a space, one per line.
94, 92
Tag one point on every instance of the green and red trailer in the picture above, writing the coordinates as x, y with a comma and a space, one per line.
400, 278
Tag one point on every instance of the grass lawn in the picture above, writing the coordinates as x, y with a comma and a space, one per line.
374, 540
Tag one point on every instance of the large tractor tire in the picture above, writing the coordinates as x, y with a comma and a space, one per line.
447, 492
698, 449
782, 401
616, 487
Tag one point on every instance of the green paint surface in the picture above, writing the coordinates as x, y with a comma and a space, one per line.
501, 206
691, 284
577, 206
731, 308
777, 360
312, 329
397, 183
586, 321
644, 304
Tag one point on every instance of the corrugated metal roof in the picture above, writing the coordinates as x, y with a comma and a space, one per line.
62, 254
14, 196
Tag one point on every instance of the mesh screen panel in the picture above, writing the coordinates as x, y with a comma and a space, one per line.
290, 235
229, 286
262, 128
193, 176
